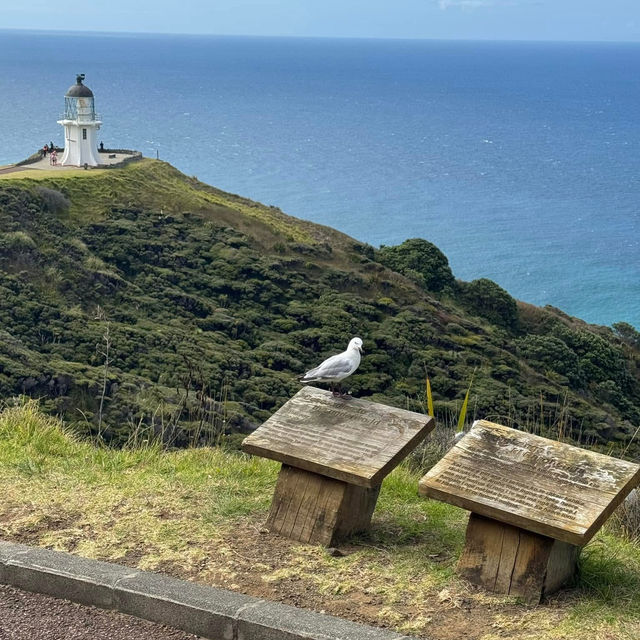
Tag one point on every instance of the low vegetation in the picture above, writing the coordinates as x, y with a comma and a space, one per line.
141, 304
198, 513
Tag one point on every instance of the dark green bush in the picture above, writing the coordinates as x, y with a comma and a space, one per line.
419, 260
550, 352
491, 301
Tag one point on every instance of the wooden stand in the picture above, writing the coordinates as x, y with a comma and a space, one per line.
312, 508
335, 452
534, 504
512, 561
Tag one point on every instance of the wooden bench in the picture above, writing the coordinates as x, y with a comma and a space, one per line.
335, 452
535, 503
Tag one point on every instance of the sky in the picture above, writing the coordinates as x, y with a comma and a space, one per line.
592, 20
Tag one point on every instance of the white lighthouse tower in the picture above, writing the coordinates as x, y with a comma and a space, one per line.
80, 123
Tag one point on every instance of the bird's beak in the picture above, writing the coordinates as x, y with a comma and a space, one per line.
361, 349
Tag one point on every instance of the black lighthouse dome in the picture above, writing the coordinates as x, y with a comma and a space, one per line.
78, 90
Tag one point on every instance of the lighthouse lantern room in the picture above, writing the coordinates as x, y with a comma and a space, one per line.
80, 123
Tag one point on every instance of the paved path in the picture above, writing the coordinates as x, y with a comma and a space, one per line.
44, 164
30, 616
10, 169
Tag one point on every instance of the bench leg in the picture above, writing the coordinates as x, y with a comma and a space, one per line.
312, 508
512, 561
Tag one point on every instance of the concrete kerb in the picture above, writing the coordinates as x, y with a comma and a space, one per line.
205, 611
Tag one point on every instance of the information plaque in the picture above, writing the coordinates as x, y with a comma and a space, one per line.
541, 485
335, 452
345, 438
534, 503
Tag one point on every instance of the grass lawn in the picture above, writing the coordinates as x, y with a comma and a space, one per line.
42, 174
98, 190
198, 514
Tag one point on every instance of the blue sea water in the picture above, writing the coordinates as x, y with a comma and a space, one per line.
519, 160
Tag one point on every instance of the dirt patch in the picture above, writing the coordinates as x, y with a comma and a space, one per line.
32, 532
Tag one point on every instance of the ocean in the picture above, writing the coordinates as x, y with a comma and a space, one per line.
520, 160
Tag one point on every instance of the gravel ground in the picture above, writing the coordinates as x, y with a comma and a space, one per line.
30, 616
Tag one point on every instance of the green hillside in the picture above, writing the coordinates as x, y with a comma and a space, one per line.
138, 302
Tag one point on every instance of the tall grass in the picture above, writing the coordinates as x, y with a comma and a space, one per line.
38, 446
429, 395
626, 519
26, 429
450, 425
465, 403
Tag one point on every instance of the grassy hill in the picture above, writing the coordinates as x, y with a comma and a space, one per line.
141, 303
198, 513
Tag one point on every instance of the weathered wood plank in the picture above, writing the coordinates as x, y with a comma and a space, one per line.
562, 566
311, 503
529, 568
356, 510
345, 438
286, 488
325, 516
511, 561
507, 557
480, 560
547, 487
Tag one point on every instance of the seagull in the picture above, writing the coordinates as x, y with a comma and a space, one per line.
338, 367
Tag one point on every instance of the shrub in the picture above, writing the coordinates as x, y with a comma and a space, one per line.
417, 256
599, 360
551, 353
491, 301
53, 200
627, 334
17, 241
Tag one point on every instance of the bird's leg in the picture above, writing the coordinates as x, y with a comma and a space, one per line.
337, 393
340, 393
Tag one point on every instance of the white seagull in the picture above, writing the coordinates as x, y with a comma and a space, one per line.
338, 367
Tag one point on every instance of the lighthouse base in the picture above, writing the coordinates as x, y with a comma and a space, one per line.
80, 147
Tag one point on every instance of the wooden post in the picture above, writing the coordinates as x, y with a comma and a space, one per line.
535, 503
335, 452
312, 508
512, 561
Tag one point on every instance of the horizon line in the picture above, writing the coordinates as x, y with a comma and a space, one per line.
75, 32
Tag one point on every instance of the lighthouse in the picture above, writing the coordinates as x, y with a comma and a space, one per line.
80, 123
